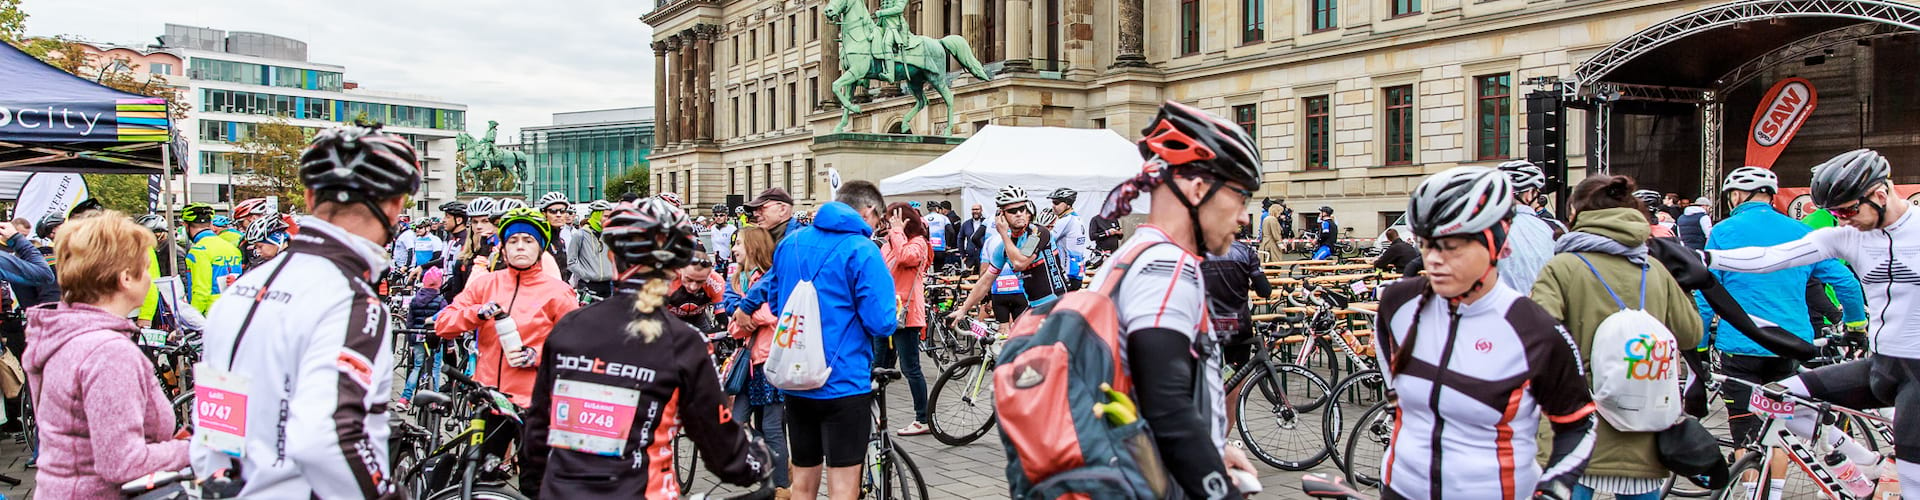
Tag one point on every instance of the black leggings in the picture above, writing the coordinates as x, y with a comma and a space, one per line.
1006, 307
1879, 381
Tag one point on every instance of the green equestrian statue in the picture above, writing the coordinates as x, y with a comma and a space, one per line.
888, 52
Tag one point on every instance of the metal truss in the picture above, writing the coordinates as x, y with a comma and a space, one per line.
1656, 93
1883, 11
1802, 48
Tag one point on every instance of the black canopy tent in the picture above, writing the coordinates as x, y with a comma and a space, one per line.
53, 121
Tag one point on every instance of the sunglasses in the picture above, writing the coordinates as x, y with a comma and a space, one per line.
555, 211
1847, 212
1019, 210
701, 263
1244, 194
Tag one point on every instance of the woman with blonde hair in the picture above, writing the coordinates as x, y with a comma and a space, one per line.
103, 418
620, 377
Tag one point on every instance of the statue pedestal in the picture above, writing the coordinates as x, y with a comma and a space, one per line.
872, 157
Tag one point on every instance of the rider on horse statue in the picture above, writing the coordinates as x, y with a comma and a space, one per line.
894, 37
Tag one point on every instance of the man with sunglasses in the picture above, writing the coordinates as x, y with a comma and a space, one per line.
1019, 266
1880, 237
555, 208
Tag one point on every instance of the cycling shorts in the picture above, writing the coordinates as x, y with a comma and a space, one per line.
834, 430
1757, 369
1006, 307
1879, 381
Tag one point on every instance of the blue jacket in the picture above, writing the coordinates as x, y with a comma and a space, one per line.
856, 293
27, 272
426, 304
1779, 297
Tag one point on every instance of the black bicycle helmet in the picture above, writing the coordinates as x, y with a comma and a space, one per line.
1183, 136
454, 209
1848, 177
1064, 195
86, 205
44, 230
719, 210
353, 162
651, 233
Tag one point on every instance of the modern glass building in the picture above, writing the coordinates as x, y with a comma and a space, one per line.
581, 150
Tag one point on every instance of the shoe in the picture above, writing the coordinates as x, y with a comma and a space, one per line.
782, 494
914, 429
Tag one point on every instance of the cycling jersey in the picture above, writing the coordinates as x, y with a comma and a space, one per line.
1070, 237
1471, 395
937, 231
1163, 292
607, 406
212, 265
1878, 256
304, 341
1040, 279
1530, 245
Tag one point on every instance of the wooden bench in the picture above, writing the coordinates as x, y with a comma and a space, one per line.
1341, 268
1336, 279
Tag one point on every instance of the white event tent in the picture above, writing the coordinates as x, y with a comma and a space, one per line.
1040, 159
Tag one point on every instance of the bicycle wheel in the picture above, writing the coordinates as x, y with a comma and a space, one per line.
686, 460
1367, 446
480, 492
894, 478
406, 459
1360, 389
1282, 430
961, 405
1748, 485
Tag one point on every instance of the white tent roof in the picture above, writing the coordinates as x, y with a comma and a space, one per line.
1040, 159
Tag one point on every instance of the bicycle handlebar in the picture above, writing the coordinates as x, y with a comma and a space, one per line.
155, 480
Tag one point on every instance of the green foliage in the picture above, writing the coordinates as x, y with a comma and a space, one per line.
126, 193
270, 159
640, 174
13, 22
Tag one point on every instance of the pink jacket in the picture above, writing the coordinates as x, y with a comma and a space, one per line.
763, 344
907, 260
535, 300
103, 418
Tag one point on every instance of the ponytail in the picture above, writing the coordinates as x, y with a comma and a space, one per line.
648, 299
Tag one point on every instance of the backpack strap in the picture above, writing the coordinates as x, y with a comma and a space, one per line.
1111, 288
1616, 297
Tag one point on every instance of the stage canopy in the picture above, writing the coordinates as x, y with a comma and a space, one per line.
1040, 159
53, 121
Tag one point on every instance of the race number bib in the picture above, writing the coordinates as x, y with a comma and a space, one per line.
592, 418
1006, 283
220, 409
938, 243
1760, 403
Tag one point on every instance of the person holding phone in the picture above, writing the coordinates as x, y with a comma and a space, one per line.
1017, 268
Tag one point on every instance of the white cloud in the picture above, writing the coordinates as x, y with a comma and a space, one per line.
513, 61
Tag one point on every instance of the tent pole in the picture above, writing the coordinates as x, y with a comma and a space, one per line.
166, 164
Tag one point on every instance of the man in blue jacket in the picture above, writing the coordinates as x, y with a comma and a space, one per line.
26, 270
1778, 297
830, 424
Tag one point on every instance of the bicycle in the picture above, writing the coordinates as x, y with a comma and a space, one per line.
454, 467
942, 342
968, 415
888, 473
1810, 457
180, 485
1285, 409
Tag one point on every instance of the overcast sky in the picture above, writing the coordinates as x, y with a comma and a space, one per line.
514, 61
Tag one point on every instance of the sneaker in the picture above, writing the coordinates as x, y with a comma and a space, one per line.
915, 429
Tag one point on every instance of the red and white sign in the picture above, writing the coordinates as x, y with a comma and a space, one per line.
1781, 113
592, 418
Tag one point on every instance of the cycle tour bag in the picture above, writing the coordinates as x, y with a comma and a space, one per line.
1636, 381
1064, 436
798, 361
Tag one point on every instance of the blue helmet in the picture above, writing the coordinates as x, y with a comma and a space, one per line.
222, 221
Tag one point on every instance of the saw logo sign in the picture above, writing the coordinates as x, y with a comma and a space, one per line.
49, 117
1787, 110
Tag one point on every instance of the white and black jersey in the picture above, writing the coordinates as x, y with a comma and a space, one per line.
1878, 256
1471, 392
309, 335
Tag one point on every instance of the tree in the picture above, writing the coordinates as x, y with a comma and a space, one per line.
269, 158
13, 22
125, 193
639, 174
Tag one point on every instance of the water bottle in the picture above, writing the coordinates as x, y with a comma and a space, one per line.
508, 334
1849, 475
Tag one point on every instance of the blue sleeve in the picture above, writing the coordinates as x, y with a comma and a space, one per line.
26, 266
1846, 287
730, 298
1706, 315
873, 293
764, 292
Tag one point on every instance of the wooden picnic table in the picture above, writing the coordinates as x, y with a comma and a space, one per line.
1358, 260
1372, 307
1292, 263
1284, 282
1339, 278
1339, 268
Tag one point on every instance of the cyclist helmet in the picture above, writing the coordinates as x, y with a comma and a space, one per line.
739, 210
1524, 175
599, 206
719, 210
1326, 210
1848, 177
45, 229
651, 233
454, 209
526, 220
271, 230
482, 207
1183, 136
354, 162
86, 205
1010, 195
250, 207
153, 222
196, 213
552, 197
670, 197
1648, 196
508, 205
222, 221
1064, 195
1461, 201
1753, 179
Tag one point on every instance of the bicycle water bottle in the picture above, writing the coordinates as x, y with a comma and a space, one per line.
508, 333
1849, 475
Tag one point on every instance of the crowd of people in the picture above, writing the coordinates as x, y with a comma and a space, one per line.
615, 303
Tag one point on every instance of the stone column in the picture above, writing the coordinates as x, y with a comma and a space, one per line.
1019, 31
704, 104
660, 99
933, 18
973, 25
1132, 51
671, 109
688, 54
829, 62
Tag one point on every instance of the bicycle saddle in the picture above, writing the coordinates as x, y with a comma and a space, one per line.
428, 399
886, 373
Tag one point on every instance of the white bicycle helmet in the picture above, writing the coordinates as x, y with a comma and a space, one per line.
1524, 175
508, 205
670, 197
1460, 201
599, 206
1650, 197
1753, 179
552, 197
1010, 195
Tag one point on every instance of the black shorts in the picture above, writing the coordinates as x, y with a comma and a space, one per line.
1757, 369
834, 429
1007, 306
1879, 381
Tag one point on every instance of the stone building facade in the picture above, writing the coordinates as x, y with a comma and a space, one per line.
1353, 101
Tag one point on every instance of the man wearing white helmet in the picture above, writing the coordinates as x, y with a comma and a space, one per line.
1019, 262
1777, 297
1530, 239
558, 212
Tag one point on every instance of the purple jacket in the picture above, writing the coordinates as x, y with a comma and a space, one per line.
103, 419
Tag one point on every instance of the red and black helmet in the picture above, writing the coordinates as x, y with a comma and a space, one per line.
1188, 138
650, 232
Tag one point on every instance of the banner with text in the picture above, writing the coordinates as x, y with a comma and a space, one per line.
49, 193
1781, 113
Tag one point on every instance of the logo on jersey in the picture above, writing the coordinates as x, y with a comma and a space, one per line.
355, 366
602, 367
1483, 345
1891, 271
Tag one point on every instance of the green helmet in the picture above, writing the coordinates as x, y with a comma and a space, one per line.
197, 213
524, 216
